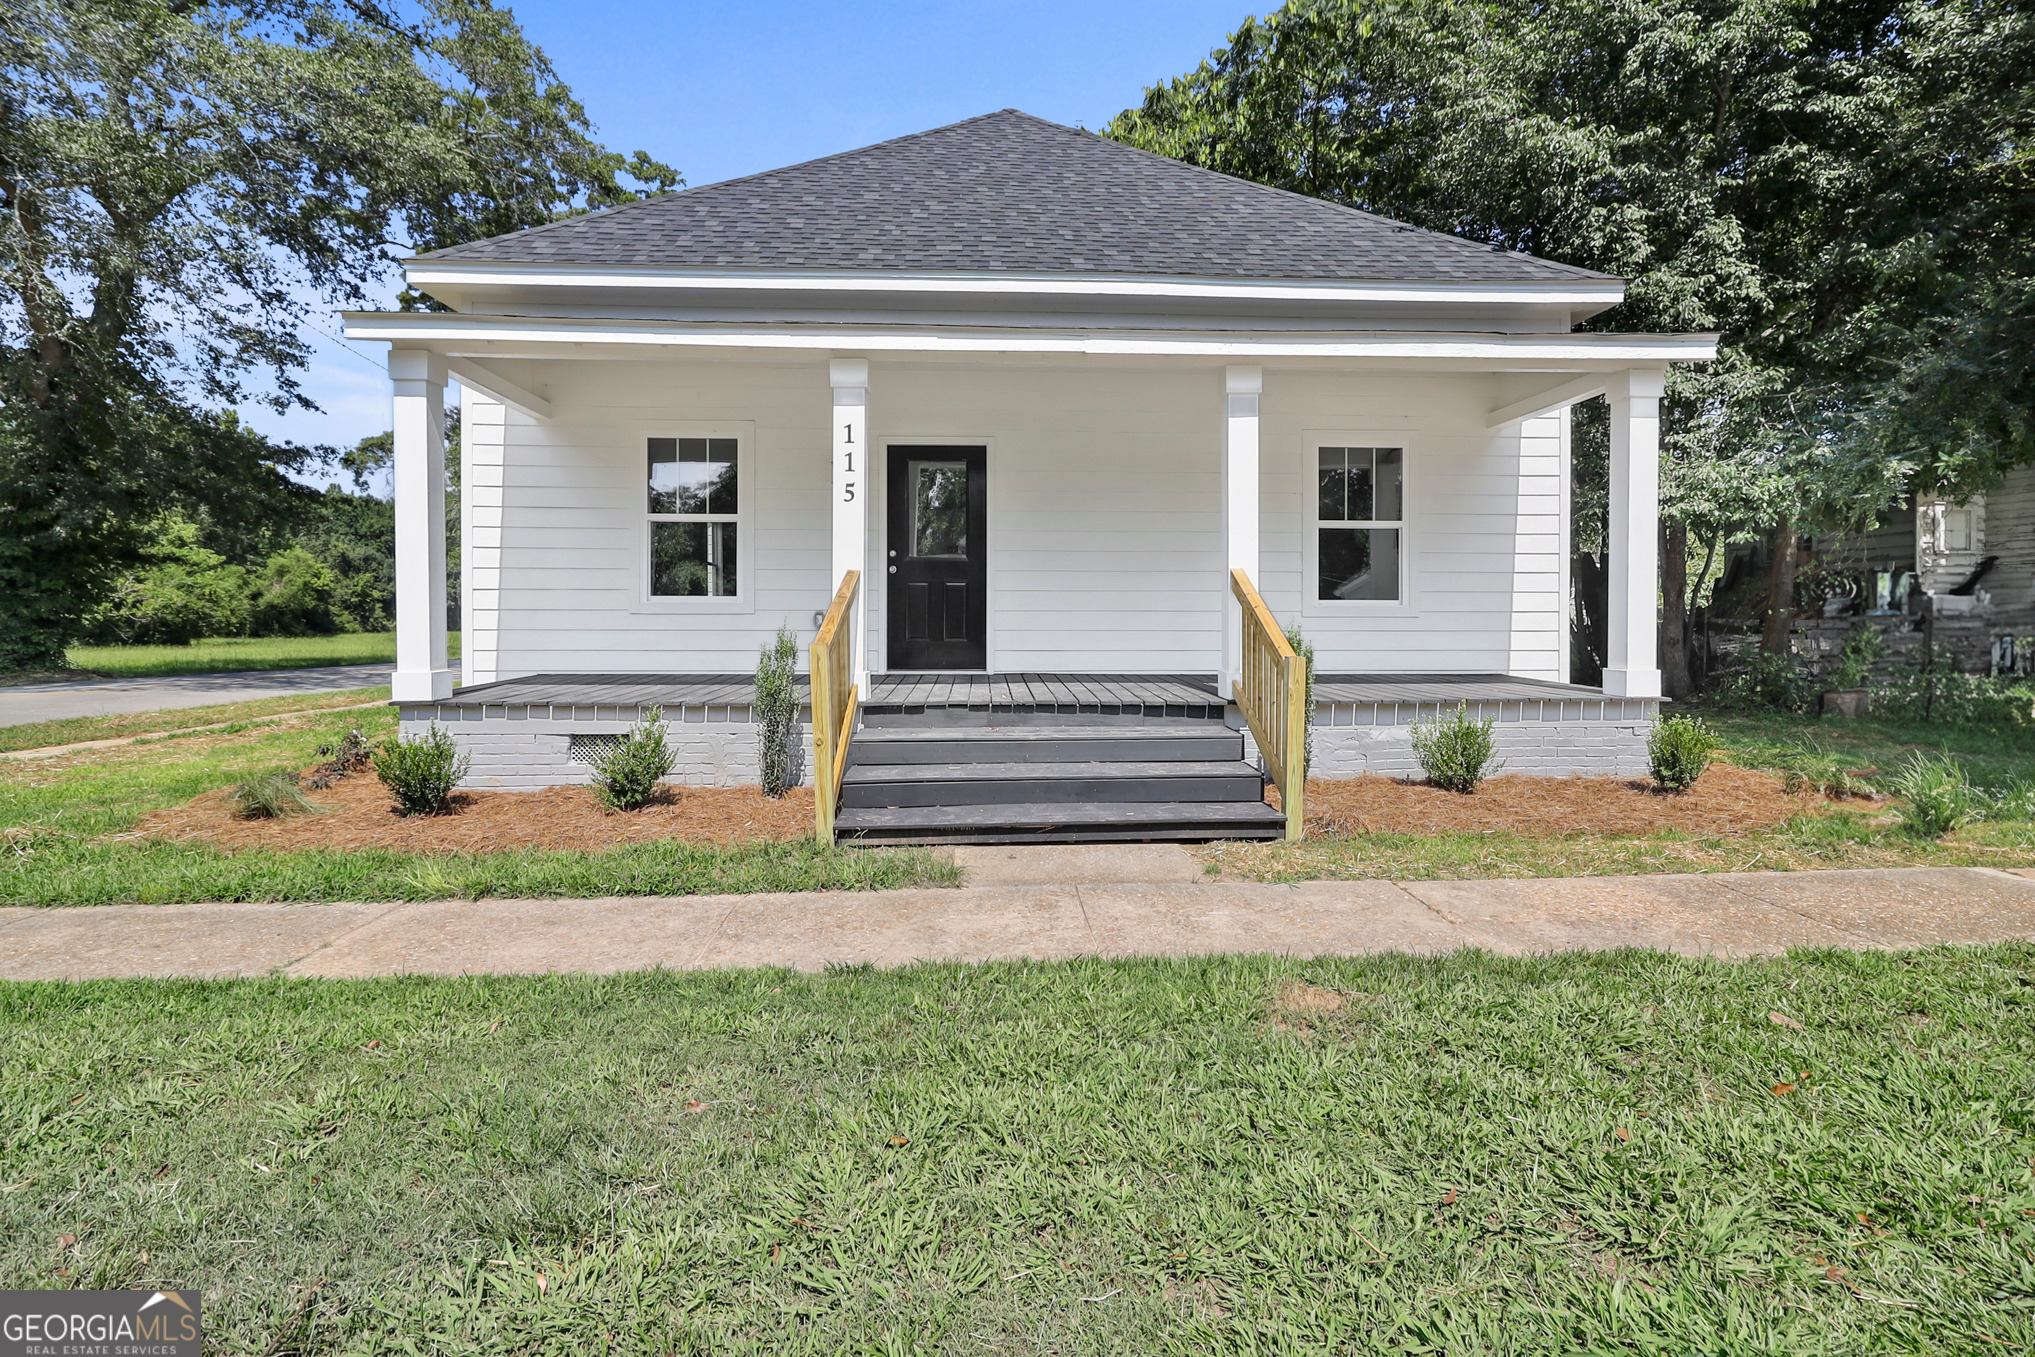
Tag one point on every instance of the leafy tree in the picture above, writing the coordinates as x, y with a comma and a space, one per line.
1764, 168
182, 591
178, 184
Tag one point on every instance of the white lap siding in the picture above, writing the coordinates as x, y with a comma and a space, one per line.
1105, 550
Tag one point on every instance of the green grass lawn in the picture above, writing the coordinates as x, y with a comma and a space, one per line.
1606, 1153
230, 654
61, 820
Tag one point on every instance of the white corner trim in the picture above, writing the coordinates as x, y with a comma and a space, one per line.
472, 372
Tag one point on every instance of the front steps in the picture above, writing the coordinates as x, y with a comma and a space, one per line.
1077, 779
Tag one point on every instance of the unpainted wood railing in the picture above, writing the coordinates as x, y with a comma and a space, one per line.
1272, 694
834, 696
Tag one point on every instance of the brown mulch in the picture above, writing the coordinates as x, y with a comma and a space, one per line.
1726, 800
357, 813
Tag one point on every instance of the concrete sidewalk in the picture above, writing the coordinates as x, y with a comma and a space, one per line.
1043, 903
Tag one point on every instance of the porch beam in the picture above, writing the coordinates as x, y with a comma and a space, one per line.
1241, 388
474, 373
1554, 398
849, 378
1632, 640
423, 673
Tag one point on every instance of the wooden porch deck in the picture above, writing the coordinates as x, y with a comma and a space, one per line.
1150, 695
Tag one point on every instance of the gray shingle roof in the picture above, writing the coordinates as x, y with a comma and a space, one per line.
1007, 192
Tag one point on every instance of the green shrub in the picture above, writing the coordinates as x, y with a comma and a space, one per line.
294, 596
1678, 750
1305, 649
626, 774
271, 796
1771, 681
182, 591
1940, 694
777, 713
353, 752
1940, 798
422, 772
1455, 750
1862, 649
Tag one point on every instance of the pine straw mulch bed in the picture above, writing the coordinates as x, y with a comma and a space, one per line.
356, 813
1726, 800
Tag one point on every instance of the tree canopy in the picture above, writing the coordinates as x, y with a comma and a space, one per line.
179, 183
1840, 189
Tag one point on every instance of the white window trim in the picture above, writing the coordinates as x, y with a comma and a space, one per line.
744, 434
1312, 442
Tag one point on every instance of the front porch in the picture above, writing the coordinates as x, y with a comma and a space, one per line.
1014, 757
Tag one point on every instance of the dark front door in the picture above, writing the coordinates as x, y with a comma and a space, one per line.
936, 564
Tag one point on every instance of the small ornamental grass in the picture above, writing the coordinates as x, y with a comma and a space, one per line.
1940, 797
422, 772
271, 796
627, 773
1678, 751
1455, 750
777, 712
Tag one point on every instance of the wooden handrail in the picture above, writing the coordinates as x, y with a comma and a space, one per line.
1272, 694
834, 698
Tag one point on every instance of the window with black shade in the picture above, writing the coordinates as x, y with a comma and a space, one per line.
1360, 524
694, 516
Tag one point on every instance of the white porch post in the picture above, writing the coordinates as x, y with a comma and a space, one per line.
1241, 387
1632, 640
422, 672
850, 379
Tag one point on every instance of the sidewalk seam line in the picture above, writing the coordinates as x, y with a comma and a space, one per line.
1784, 907
391, 907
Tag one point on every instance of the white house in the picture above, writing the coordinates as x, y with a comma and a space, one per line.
1045, 393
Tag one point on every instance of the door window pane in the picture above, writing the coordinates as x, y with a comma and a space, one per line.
939, 508
692, 476
692, 560
1359, 563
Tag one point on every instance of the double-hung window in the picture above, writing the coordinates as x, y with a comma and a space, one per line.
1360, 508
693, 517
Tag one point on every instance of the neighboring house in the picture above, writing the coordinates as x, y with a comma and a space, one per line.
1045, 393
1956, 576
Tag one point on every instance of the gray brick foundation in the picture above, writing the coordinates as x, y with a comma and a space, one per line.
1605, 738
525, 748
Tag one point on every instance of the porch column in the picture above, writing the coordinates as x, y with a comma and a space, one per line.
1241, 387
418, 479
1632, 639
850, 379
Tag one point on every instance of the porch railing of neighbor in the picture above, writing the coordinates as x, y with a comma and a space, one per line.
1272, 694
834, 698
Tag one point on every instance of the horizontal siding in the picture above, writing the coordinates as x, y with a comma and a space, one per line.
1105, 541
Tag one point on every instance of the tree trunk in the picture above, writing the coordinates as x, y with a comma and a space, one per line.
1676, 681
1780, 589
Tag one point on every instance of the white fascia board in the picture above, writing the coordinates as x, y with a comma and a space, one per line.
449, 331
1579, 292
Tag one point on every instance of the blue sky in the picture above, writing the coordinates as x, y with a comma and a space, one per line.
725, 90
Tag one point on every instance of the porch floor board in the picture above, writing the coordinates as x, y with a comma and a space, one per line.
1066, 694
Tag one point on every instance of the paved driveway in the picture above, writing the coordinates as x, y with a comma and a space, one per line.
113, 697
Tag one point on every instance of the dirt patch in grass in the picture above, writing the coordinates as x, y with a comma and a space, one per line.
1726, 800
357, 814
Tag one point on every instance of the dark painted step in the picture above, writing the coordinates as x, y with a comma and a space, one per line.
1047, 744
955, 784
1091, 822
